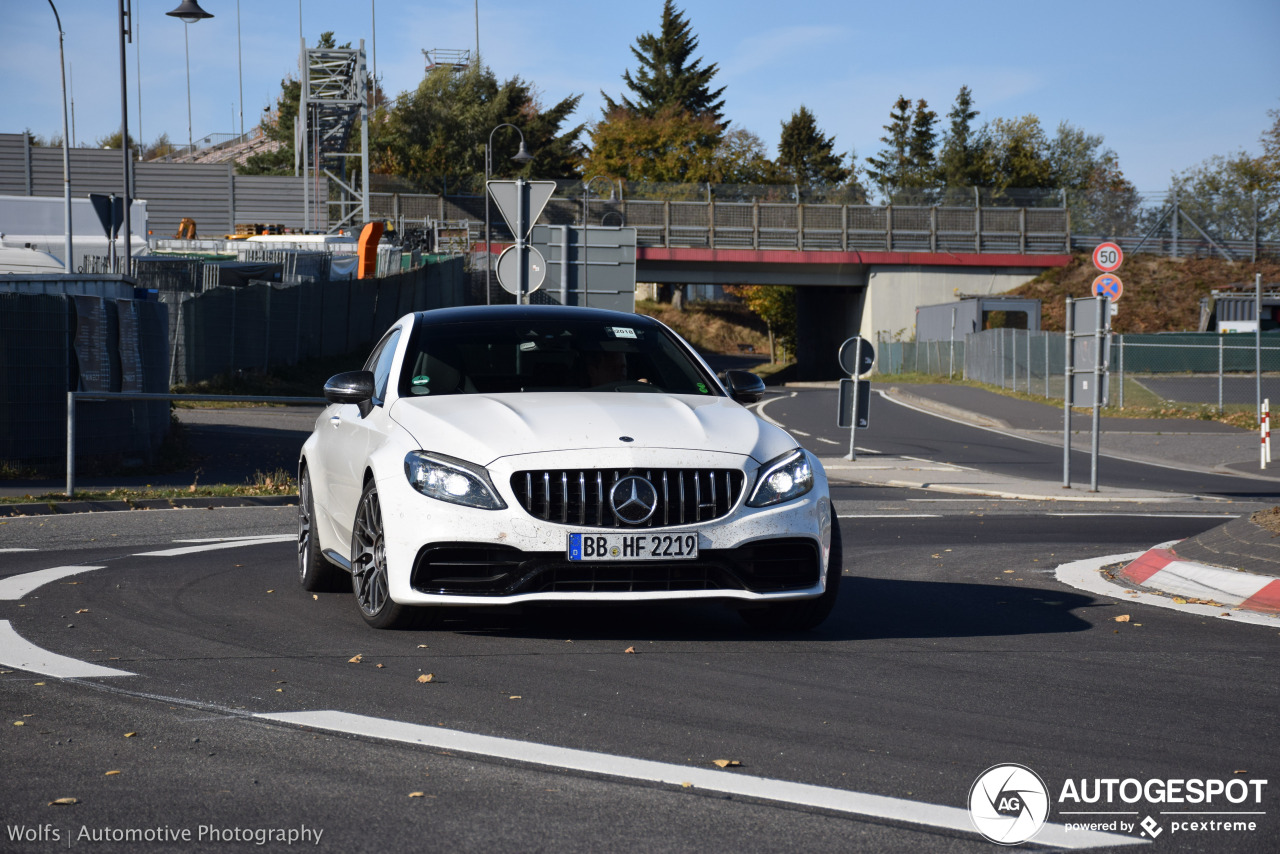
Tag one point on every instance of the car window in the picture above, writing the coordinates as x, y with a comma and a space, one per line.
537, 355
379, 362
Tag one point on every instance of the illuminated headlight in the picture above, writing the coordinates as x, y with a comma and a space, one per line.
782, 479
452, 480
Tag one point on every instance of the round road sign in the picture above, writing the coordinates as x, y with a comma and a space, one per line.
857, 356
508, 269
1108, 257
1108, 285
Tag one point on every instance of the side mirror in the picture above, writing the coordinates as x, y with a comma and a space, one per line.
744, 386
351, 387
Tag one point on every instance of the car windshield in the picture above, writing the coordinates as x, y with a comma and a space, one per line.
523, 355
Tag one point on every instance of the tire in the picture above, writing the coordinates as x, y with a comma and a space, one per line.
315, 573
369, 569
805, 614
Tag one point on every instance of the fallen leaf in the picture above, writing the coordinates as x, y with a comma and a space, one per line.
1178, 600
728, 763
355, 659
1123, 618
279, 690
1240, 772
39, 683
130, 734
422, 646
314, 596
111, 774
1224, 614
417, 794
271, 591
379, 666
630, 649
1008, 572
83, 611
687, 785
515, 697
64, 802
426, 677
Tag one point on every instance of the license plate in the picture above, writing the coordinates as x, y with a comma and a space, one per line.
673, 545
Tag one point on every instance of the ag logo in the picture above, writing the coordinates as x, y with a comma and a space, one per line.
1008, 804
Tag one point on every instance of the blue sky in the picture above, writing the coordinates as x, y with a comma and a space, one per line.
1167, 84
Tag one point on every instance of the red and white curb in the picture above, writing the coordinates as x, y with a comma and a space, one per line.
1163, 570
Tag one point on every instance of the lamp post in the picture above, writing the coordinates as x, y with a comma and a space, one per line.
125, 20
586, 232
522, 156
66, 152
189, 12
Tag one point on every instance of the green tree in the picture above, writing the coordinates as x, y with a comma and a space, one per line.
921, 171
959, 162
805, 154
1015, 155
671, 146
887, 169
776, 306
668, 76
436, 135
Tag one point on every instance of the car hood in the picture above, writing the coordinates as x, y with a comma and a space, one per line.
483, 428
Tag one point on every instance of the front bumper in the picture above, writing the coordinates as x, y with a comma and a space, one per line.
444, 554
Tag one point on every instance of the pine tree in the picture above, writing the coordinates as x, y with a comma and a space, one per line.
888, 169
805, 153
920, 170
667, 76
959, 164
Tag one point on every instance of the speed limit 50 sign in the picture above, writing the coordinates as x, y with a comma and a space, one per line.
1107, 257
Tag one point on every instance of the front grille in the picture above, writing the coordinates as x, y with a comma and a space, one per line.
475, 569
581, 496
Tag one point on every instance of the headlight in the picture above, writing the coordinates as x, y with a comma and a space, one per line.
782, 479
452, 480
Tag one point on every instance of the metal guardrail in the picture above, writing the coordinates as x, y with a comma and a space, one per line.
73, 396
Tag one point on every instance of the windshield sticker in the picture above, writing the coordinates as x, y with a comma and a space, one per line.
623, 332
702, 387
421, 380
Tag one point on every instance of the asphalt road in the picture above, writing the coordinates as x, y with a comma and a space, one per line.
953, 648
1204, 389
899, 431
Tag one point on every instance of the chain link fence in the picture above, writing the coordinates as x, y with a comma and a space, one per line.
1149, 371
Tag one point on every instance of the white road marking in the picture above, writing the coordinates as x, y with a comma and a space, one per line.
247, 539
17, 586
760, 409
796, 432
1154, 515
6, 551
889, 515
1084, 575
782, 791
18, 653
277, 538
828, 441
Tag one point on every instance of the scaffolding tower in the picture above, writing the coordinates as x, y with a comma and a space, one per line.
335, 87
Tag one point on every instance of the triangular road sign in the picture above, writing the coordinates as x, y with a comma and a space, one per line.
506, 195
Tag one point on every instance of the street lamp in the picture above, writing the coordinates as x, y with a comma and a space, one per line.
586, 233
66, 152
522, 156
189, 12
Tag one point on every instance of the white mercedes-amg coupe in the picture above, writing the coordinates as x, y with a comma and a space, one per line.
503, 455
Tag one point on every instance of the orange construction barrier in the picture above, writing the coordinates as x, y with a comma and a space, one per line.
368, 248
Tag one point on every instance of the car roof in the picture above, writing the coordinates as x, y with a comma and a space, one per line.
473, 313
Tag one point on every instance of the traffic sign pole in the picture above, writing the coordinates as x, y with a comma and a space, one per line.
522, 277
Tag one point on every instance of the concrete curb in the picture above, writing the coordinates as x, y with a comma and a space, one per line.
1202, 584
55, 508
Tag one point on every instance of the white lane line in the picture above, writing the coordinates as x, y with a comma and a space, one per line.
1223, 516
760, 409
17, 586
245, 539
1084, 575
795, 432
278, 538
802, 794
7, 551
889, 515
19, 654
828, 441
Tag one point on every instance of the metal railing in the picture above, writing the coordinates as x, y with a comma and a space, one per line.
73, 396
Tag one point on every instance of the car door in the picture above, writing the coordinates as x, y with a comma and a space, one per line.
348, 439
